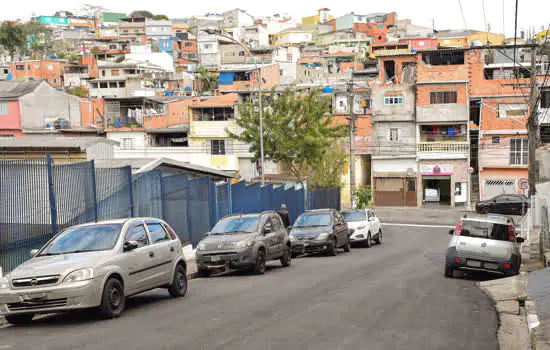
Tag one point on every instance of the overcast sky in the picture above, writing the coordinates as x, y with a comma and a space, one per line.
446, 13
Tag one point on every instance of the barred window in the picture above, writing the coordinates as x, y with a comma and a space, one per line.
440, 97
393, 100
519, 150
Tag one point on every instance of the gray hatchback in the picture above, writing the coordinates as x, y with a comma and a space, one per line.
484, 243
95, 265
244, 241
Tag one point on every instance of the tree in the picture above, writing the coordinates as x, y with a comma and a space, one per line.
327, 171
12, 38
208, 80
78, 91
364, 197
38, 35
296, 130
96, 50
161, 17
141, 13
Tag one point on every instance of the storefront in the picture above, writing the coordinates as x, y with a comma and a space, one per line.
443, 183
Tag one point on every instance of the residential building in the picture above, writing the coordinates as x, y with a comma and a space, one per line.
35, 105
291, 36
243, 77
442, 127
255, 36
374, 25
237, 18
465, 38
323, 16
158, 29
180, 25
420, 43
48, 70
5, 72
132, 27
109, 19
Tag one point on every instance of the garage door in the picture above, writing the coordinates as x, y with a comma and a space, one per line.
391, 191
494, 187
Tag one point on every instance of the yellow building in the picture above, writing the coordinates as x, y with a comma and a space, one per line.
463, 38
322, 16
542, 36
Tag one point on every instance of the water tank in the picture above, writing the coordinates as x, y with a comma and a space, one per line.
328, 89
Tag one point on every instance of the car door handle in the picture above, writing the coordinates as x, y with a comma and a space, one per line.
172, 249
151, 254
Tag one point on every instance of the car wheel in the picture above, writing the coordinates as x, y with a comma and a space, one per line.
449, 271
113, 299
178, 288
380, 238
203, 272
347, 247
259, 266
332, 249
286, 259
368, 242
484, 210
20, 319
295, 255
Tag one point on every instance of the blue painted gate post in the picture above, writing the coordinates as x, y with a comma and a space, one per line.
94, 190
229, 196
213, 208
51, 195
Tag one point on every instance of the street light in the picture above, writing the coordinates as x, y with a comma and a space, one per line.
219, 33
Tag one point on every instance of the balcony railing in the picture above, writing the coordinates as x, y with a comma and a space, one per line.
460, 147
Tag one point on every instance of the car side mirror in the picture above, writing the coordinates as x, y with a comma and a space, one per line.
268, 228
520, 239
34, 252
206, 234
451, 232
130, 245
371, 218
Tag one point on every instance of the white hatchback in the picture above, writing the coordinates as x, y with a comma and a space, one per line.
364, 226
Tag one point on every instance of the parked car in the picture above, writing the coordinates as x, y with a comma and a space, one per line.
244, 241
511, 204
485, 243
96, 265
364, 226
322, 230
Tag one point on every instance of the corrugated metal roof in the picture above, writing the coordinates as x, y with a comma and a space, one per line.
15, 89
36, 141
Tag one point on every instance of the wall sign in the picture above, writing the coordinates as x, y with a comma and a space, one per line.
436, 170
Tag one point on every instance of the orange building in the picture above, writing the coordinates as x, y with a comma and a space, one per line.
48, 70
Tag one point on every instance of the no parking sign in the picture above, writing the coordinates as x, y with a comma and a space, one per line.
523, 184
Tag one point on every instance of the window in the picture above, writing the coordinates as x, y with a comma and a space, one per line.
112, 85
121, 84
495, 139
158, 234
20, 67
545, 99
103, 72
519, 150
512, 110
217, 147
207, 46
50, 67
137, 234
393, 100
440, 97
276, 223
4, 108
6, 71
394, 134
103, 85
241, 53
54, 81
443, 59
187, 44
127, 143
458, 188
115, 72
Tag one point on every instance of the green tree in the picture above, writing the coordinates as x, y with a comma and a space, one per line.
96, 50
364, 197
39, 37
161, 17
141, 13
78, 91
327, 171
208, 80
12, 38
296, 130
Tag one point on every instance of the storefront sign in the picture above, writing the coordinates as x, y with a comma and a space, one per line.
436, 170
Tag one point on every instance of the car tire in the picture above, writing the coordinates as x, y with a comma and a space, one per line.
449, 271
484, 210
19, 319
368, 242
380, 238
332, 250
347, 246
295, 255
286, 259
203, 272
259, 266
178, 288
113, 299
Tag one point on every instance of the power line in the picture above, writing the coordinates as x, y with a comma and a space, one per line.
464, 18
516, 32
485, 20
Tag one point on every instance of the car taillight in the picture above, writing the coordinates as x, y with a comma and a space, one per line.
458, 228
511, 234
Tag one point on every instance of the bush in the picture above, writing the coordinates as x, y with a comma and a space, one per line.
363, 197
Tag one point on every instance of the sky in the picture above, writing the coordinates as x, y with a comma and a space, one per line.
445, 13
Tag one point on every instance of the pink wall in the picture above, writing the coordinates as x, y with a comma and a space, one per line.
13, 119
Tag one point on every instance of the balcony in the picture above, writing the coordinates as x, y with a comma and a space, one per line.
443, 150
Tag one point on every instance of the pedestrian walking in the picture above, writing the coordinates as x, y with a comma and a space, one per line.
283, 213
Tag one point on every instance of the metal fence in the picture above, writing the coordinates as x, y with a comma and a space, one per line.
39, 198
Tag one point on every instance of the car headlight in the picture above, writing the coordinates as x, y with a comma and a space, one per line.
322, 236
243, 244
201, 246
4, 283
80, 275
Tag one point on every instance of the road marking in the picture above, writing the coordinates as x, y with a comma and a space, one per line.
417, 225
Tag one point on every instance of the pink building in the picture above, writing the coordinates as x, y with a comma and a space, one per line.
421, 43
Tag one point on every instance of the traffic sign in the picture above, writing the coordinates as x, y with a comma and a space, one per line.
523, 184
470, 170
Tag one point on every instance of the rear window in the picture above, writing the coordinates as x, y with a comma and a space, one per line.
354, 216
489, 230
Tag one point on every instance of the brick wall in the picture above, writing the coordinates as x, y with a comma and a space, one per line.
429, 73
423, 93
51, 71
399, 60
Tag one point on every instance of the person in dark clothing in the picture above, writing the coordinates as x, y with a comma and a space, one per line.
283, 213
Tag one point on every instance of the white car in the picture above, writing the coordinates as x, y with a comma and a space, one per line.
364, 226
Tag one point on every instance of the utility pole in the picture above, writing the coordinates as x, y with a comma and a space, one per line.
351, 143
533, 123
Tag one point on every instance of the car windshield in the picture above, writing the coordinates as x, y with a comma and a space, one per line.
354, 216
236, 224
482, 229
317, 219
84, 239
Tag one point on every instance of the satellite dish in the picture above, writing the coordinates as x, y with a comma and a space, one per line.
410, 172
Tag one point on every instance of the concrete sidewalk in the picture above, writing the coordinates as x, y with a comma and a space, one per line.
420, 216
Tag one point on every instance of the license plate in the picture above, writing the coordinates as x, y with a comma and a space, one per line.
491, 266
215, 258
473, 263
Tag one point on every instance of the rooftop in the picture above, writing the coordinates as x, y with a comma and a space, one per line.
43, 141
14, 89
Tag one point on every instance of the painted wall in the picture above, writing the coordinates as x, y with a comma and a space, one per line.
460, 174
12, 120
48, 70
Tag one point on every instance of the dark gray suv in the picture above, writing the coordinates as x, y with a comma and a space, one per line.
244, 241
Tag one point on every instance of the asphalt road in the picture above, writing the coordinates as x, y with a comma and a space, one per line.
392, 296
